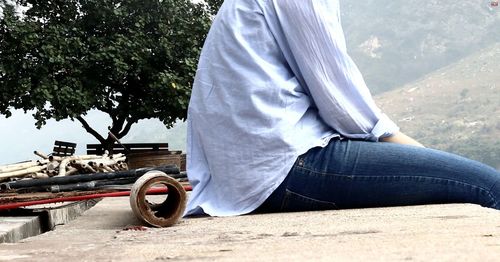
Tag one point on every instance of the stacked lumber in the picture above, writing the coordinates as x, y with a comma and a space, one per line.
50, 166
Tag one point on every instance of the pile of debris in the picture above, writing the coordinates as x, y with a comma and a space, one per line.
69, 178
50, 166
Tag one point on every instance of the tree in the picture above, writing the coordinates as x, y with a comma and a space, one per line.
214, 5
131, 59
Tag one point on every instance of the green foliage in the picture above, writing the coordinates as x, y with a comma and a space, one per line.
132, 59
214, 5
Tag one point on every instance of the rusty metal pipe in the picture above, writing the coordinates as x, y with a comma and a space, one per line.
164, 214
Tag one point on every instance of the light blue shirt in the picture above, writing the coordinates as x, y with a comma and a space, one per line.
274, 80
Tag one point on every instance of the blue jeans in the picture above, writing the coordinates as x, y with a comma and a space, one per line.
358, 174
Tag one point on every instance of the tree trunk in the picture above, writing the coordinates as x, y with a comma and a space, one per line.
108, 145
120, 127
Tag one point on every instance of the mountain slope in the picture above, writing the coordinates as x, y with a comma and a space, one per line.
456, 108
409, 39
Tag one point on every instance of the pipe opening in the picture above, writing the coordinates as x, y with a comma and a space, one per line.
163, 205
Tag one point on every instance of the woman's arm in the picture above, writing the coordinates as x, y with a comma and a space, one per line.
317, 45
400, 138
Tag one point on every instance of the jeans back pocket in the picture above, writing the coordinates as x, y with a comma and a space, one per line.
293, 202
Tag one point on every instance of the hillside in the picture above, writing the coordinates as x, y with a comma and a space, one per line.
456, 108
409, 39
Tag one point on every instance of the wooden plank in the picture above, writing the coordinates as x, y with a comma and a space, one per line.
57, 151
132, 145
64, 144
121, 150
154, 146
62, 148
132, 148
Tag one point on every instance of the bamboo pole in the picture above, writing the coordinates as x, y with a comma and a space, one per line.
24, 172
39, 175
71, 171
123, 166
62, 166
40, 154
119, 155
82, 167
55, 158
26, 163
88, 168
53, 165
106, 168
21, 166
107, 162
66, 161
52, 173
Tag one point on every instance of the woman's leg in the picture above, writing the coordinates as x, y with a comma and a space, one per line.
357, 174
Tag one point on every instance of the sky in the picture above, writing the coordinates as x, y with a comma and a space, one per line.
19, 137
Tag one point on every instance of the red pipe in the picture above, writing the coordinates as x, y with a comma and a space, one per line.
80, 198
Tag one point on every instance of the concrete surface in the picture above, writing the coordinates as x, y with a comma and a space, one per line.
419, 233
32, 221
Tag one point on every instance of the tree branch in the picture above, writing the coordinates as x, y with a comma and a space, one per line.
118, 124
120, 113
125, 130
90, 130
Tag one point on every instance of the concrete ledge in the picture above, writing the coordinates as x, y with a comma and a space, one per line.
30, 222
13, 229
55, 216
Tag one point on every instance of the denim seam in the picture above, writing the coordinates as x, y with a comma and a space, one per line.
488, 191
318, 172
494, 184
